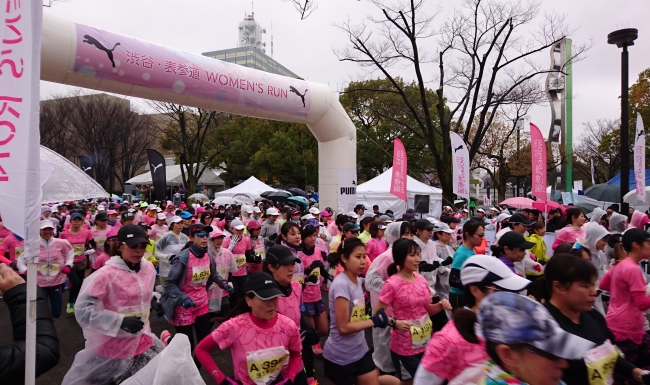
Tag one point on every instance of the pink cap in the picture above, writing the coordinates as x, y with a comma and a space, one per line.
216, 232
200, 210
111, 212
112, 233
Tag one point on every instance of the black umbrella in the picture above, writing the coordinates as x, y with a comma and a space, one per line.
604, 192
266, 193
279, 195
297, 192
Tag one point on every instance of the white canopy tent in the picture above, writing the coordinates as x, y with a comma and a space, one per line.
377, 192
250, 186
174, 178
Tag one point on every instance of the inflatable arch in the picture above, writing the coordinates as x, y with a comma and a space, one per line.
84, 56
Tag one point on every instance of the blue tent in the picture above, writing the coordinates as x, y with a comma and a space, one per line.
616, 181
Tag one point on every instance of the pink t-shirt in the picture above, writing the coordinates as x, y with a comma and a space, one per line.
242, 336
239, 251
258, 247
157, 231
149, 220
290, 306
13, 246
312, 290
196, 278
78, 242
51, 259
448, 353
409, 301
627, 302
100, 261
568, 234
4, 232
374, 247
100, 237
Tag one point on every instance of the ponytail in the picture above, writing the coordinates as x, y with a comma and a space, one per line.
497, 250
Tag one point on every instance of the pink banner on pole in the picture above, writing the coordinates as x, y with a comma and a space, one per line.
398, 182
538, 149
639, 159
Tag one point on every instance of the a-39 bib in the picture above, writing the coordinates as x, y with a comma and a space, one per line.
358, 312
264, 365
421, 332
600, 362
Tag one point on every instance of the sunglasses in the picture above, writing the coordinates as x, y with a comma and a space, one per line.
202, 234
140, 246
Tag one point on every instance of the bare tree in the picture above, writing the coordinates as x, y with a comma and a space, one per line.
600, 143
188, 134
484, 63
304, 7
53, 127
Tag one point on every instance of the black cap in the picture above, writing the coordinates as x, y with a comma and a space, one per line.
101, 216
449, 219
520, 218
230, 218
512, 240
634, 236
422, 224
263, 286
357, 207
280, 255
132, 235
144, 225
350, 227
127, 215
200, 228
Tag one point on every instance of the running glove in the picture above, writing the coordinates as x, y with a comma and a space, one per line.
426, 267
90, 252
311, 278
447, 261
132, 325
230, 381
65, 270
316, 265
188, 303
157, 306
380, 319
229, 289
309, 336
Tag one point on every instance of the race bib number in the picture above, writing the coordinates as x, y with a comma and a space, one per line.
78, 249
315, 272
264, 365
421, 332
49, 270
240, 260
600, 363
100, 242
135, 311
260, 252
19, 250
200, 275
358, 312
300, 278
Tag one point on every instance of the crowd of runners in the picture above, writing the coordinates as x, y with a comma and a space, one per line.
278, 285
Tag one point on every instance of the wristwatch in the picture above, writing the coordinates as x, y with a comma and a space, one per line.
392, 323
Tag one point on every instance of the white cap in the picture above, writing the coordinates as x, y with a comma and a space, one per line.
237, 224
152, 207
465, 210
46, 224
307, 216
487, 270
158, 210
249, 209
256, 209
495, 209
381, 227
503, 216
131, 210
101, 208
45, 208
161, 216
442, 226
314, 210
272, 211
481, 211
175, 219
352, 214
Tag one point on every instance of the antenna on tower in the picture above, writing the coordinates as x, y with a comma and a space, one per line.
271, 39
253, 9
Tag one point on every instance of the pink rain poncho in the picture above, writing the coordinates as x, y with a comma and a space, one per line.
111, 354
638, 220
54, 254
568, 234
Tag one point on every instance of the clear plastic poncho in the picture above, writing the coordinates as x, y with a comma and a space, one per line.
169, 244
594, 233
597, 214
617, 223
107, 296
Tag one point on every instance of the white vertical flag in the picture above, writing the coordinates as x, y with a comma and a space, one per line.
639, 159
593, 181
460, 161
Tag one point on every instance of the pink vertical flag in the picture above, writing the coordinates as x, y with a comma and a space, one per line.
538, 149
398, 183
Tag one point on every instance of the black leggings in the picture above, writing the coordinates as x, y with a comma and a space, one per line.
202, 327
308, 359
76, 278
238, 284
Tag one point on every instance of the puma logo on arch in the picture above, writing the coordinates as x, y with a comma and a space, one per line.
92, 41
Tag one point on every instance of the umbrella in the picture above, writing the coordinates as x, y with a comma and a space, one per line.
199, 197
548, 205
604, 193
243, 199
224, 201
587, 208
266, 193
299, 200
631, 198
297, 192
278, 195
518, 202
61, 180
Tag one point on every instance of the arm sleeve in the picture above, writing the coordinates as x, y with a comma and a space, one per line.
160, 246
4, 260
173, 280
12, 356
69, 254
92, 317
203, 354
295, 358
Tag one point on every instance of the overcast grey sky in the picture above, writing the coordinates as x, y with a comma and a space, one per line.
306, 47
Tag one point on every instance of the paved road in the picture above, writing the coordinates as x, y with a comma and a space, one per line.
71, 341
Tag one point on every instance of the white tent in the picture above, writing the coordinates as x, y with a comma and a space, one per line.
377, 192
174, 178
251, 185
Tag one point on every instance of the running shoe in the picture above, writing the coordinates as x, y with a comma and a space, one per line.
70, 308
165, 337
317, 349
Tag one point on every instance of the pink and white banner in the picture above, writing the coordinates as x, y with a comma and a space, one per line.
400, 169
20, 69
106, 55
460, 161
538, 149
639, 159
